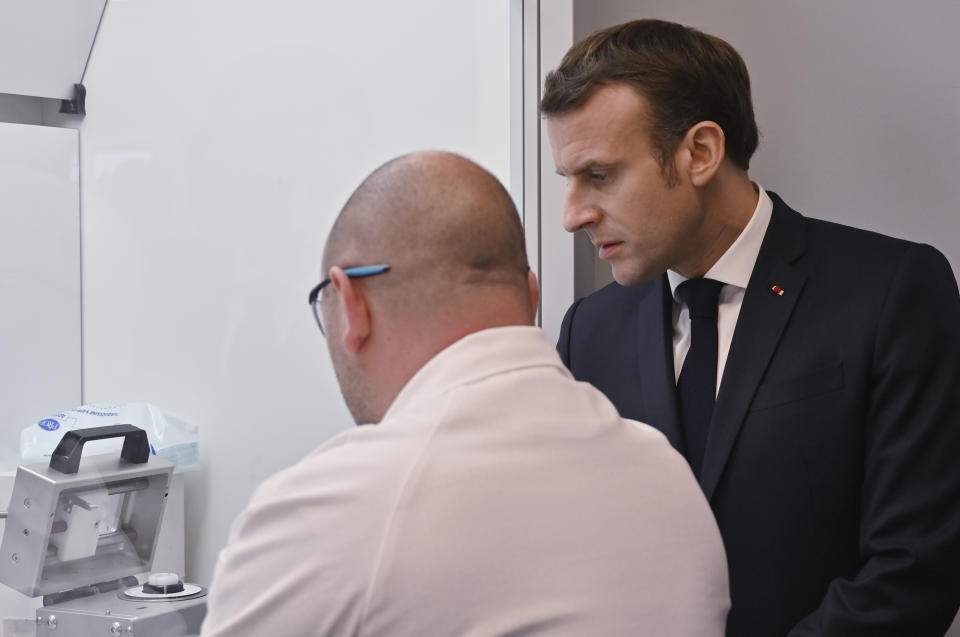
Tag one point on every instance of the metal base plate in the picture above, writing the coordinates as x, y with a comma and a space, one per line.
108, 614
137, 594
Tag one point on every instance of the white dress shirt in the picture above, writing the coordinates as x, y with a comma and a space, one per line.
733, 269
498, 496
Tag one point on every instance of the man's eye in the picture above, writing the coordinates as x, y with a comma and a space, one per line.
598, 176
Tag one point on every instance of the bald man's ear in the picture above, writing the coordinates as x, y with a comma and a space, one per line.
534, 292
354, 311
705, 146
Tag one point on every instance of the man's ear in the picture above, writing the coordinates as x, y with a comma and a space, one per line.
354, 311
705, 146
534, 292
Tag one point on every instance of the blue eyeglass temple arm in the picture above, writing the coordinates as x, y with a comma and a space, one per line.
357, 272
365, 270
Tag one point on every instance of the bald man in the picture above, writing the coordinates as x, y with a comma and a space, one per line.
495, 495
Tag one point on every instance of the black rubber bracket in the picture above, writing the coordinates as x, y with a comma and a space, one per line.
163, 590
78, 104
88, 590
66, 457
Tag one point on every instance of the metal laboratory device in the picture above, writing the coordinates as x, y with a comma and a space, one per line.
79, 531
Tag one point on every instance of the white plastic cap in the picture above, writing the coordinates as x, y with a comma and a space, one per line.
163, 579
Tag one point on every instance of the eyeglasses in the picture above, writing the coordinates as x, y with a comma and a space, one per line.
357, 272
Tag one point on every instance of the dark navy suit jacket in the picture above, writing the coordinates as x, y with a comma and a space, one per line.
833, 459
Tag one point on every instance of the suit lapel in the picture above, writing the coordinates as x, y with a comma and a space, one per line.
763, 317
655, 358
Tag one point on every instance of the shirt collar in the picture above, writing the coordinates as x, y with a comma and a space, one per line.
472, 358
736, 264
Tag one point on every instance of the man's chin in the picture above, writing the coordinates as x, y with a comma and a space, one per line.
633, 276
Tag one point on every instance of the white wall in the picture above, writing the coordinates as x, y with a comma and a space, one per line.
857, 103
220, 142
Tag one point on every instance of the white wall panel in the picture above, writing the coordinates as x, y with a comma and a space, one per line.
39, 279
39, 291
221, 140
45, 44
556, 244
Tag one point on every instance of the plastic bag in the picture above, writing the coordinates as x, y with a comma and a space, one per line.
171, 438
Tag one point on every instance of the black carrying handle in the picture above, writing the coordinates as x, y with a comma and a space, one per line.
66, 457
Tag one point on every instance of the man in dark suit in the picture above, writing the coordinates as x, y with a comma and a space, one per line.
809, 372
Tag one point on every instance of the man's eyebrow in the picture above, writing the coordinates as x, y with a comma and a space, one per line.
586, 167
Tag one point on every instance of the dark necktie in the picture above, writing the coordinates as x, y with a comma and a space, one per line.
697, 385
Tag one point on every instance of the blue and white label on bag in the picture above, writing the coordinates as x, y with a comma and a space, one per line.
48, 424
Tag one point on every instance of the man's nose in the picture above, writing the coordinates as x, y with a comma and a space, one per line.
578, 212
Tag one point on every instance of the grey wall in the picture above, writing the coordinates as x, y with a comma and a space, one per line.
19, 109
857, 102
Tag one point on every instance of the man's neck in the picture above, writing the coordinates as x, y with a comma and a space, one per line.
730, 203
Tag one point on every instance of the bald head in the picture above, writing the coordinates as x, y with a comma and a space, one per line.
444, 224
455, 247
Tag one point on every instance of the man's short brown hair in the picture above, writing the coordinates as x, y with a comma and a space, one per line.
687, 77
